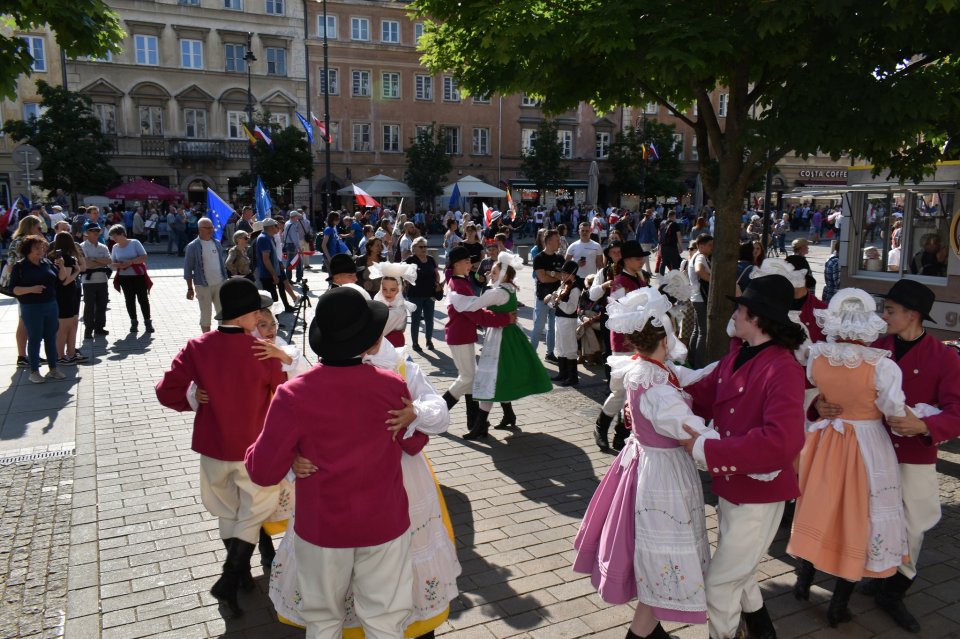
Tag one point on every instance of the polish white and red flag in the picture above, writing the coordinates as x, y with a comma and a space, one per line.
317, 122
260, 133
364, 198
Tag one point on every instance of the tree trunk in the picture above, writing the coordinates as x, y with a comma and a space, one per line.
723, 274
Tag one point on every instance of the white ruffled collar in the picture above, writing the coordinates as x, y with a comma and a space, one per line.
637, 373
845, 354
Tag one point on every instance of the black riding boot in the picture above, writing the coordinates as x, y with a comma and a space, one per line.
573, 377
805, 573
657, 633
225, 588
450, 400
561, 370
600, 432
267, 552
759, 624
509, 420
890, 599
620, 433
839, 612
478, 429
472, 408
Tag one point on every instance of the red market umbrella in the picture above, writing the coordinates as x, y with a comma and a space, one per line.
144, 190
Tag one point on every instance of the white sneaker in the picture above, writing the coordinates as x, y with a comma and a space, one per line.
55, 374
36, 378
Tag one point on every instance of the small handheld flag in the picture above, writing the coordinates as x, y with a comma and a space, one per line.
487, 215
263, 203
219, 212
510, 206
306, 127
364, 198
260, 133
455, 197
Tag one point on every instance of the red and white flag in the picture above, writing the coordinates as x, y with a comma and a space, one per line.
364, 198
260, 133
510, 206
487, 216
317, 122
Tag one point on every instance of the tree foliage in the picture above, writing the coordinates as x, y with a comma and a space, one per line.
543, 163
634, 174
875, 80
427, 163
286, 162
72, 147
88, 27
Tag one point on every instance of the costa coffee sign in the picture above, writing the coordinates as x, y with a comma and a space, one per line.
823, 174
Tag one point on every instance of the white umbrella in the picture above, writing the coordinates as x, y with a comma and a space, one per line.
473, 187
380, 186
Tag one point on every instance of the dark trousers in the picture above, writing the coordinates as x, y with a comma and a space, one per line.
425, 307
41, 323
277, 291
95, 297
698, 341
134, 289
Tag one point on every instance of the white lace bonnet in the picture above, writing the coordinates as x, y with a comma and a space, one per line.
781, 267
851, 315
505, 259
396, 270
676, 284
632, 311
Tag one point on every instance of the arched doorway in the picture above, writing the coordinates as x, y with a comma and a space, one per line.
197, 191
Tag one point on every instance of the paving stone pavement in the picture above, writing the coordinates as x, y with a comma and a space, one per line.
143, 552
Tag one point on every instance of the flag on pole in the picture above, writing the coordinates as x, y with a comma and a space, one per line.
306, 127
320, 127
400, 206
455, 197
487, 215
260, 133
510, 206
249, 135
219, 212
263, 203
643, 151
364, 198
653, 152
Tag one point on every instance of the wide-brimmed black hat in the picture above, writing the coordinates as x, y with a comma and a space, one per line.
457, 254
769, 296
632, 248
346, 324
239, 296
614, 244
341, 263
914, 296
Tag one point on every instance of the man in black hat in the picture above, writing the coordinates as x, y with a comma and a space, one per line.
352, 514
342, 270
220, 362
931, 375
755, 398
565, 303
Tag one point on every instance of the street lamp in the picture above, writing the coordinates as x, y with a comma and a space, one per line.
326, 116
248, 57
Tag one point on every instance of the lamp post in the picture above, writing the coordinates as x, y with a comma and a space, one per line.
248, 58
311, 215
326, 117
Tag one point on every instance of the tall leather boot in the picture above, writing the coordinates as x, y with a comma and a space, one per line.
759, 624
839, 612
267, 552
573, 377
450, 400
620, 433
509, 421
805, 573
561, 370
225, 588
600, 432
479, 428
246, 580
890, 599
657, 633
472, 408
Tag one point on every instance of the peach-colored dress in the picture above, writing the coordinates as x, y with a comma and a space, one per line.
849, 517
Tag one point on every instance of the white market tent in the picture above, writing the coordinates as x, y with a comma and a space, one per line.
471, 187
380, 186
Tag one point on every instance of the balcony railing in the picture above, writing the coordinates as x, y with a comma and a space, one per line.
179, 150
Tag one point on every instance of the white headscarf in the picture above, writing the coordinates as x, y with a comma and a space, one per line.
632, 312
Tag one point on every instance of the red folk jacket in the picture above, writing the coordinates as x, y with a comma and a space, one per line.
462, 327
931, 375
758, 411
628, 283
808, 319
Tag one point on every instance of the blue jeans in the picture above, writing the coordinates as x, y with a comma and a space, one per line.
542, 314
41, 322
425, 307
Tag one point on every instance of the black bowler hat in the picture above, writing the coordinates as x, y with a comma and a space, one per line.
914, 296
632, 248
769, 296
346, 324
239, 296
613, 244
341, 263
457, 254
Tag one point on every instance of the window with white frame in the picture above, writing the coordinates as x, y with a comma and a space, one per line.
361, 84
35, 47
527, 138
361, 136
565, 138
424, 86
107, 115
235, 122
145, 47
421, 128
452, 136
192, 3
233, 56
482, 99
195, 123
282, 120
191, 54
451, 93
603, 145
360, 29
678, 145
32, 111
722, 108
331, 83
651, 108
276, 61
694, 153
417, 32
391, 137
151, 120
528, 101
234, 5
390, 31
332, 27
274, 7
390, 85
481, 141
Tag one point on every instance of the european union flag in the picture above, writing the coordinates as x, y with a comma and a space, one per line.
219, 212
306, 127
455, 197
263, 203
